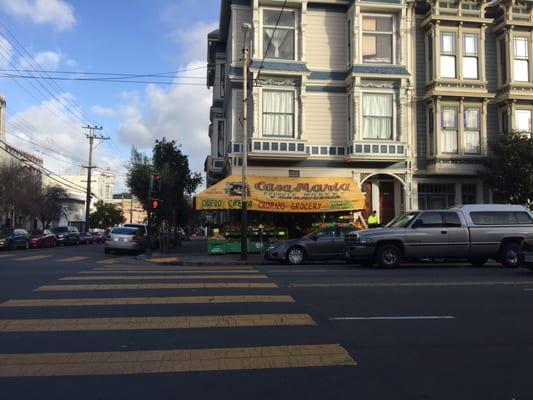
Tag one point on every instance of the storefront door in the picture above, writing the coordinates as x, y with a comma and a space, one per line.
386, 201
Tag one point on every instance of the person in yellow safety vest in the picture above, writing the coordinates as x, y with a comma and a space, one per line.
373, 220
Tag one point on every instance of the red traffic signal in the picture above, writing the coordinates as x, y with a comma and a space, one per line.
155, 183
155, 204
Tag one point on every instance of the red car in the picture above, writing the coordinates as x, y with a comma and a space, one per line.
86, 238
40, 238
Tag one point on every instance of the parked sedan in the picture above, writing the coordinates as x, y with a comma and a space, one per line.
86, 238
11, 238
43, 238
525, 255
98, 237
323, 244
125, 239
67, 235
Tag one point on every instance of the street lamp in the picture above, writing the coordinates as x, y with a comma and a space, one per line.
246, 28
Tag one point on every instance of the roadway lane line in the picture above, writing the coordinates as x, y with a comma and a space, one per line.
158, 271
418, 317
32, 258
6, 255
149, 286
158, 277
173, 361
528, 290
143, 323
163, 268
70, 259
112, 301
408, 284
109, 261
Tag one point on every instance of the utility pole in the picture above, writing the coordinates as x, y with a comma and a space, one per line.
244, 196
91, 136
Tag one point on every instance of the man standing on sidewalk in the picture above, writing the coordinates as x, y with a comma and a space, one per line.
373, 220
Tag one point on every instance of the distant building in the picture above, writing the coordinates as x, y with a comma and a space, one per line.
102, 183
131, 207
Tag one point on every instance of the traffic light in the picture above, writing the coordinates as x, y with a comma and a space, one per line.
155, 184
155, 204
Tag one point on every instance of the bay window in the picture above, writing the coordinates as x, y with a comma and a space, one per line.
470, 56
521, 61
377, 116
523, 120
378, 39
278, 113
447, 54
472, 131
279, 34
449, 130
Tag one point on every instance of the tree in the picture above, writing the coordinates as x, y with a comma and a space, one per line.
106, 215
510, 168
50, 207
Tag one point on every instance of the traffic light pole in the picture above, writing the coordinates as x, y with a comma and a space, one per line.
244, 196
153, 192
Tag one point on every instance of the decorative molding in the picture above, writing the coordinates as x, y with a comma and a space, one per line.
379, 84
276, 82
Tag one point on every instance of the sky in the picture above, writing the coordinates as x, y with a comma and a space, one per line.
73, 38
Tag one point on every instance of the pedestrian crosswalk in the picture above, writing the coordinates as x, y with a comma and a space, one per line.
167, 299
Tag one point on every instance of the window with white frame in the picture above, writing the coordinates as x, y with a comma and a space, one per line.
521, 61
377, 116
523, 120
447, 55
472, 130
470, 56
279, 34
378, 39
449, 130
278, 113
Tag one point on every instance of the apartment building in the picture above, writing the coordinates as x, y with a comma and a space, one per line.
401, 96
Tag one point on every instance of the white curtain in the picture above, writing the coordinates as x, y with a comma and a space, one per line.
278, 113
449, 141
447, 66
521, 70
377, 116
472, 134
281, 43
470, 70
523, 120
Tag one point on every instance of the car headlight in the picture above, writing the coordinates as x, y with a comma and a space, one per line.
273, 246
366, 241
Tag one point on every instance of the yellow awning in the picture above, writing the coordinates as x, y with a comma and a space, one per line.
277, 194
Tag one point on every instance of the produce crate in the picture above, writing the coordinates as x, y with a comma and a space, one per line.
216, 246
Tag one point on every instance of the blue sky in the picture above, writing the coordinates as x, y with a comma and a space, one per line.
118, 36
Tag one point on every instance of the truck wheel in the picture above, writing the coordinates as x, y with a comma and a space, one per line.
478, 261
295, 255
388, 256
509, 255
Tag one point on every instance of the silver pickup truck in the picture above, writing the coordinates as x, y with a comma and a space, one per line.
473, 232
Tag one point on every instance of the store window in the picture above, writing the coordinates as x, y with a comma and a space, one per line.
472, 131
278, 113
449, 130
521, 61
377, 116
470, 56
378, 39
447, 55
279, 34
523, 120
433, 196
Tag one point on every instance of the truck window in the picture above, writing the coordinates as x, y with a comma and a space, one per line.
451, 219
431, 220
493, 218
523, 218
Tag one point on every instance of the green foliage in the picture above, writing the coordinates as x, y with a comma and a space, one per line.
510, 168
106, 216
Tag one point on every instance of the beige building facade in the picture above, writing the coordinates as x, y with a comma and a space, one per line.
401, 96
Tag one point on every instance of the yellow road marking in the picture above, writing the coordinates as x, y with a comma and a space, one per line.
162, 259
109, 261
142, 286
159, 271
411, 284
78, 258
146, 300
166, 268
140, 323
31, 258
160, 277
167, 361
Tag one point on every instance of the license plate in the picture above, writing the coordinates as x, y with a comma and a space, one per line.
115, 239
529, 258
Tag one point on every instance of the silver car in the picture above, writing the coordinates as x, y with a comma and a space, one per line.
323, 244
125, 239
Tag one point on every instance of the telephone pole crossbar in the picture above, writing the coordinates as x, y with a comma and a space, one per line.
91, 136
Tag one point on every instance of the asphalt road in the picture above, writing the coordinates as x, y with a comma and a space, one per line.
75, 324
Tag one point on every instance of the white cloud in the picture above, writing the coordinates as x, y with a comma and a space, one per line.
58, 13
193, 41
103, 111
48, 59
6, 53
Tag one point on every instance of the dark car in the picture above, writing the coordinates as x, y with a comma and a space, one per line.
525, 255
12, 238
323, 244
98, 237
86, 238
43, 238
66, 235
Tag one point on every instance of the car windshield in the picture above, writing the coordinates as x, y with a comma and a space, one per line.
124, 231
61, 229
402, 220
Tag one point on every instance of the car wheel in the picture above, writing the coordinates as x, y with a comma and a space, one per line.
509, 255
295, 255
478, 261
388, 256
